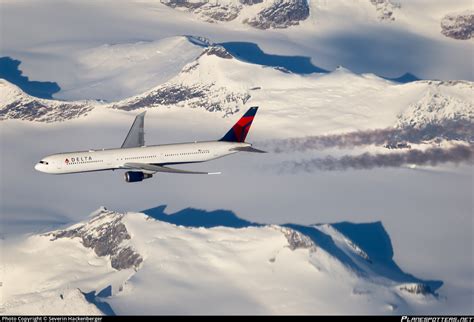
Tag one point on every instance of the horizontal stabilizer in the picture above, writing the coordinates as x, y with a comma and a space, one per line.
248, 149
152, 168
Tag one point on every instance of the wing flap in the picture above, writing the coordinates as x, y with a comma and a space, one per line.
151, 168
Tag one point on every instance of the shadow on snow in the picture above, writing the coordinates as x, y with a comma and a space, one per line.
252, 53
9, 70
372, 238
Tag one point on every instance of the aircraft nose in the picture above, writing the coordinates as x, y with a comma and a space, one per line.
38, 167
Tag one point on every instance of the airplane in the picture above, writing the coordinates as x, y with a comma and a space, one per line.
142, 162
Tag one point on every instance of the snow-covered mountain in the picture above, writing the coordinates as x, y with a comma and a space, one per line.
261, 14
441, 106
153, 263
16, 104
338, 101
281, 14
203, 83
119, 70
123, 59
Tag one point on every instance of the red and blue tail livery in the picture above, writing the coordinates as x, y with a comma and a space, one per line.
239, 131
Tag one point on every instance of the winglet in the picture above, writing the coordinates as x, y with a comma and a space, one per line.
239, 131
136, 134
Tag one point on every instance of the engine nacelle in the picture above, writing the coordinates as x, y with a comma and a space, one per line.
136, 176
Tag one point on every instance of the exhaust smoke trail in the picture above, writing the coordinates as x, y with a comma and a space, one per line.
449, 130
431, 156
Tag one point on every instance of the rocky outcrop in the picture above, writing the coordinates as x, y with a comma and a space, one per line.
276, 14
218, 51
385, 9
106, 234
297, 240
250, 2
207, 96
211, 97
214, 12
210, 12
458, 25
126, 258
416, 288
281, 14
184, 4
356, 249
16, 104
38, 110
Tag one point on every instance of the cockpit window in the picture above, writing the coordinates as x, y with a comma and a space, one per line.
43, 162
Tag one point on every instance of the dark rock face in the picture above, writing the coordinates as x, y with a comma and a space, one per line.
297, 240
250, 2
167, 95
126, 258
183, 4
210, 12
218, 12
416, 288
458, 26
218, 51
33, 109
105, 234
385, 9
205, 96
281, 14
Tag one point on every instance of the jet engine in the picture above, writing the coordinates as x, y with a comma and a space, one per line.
136, 176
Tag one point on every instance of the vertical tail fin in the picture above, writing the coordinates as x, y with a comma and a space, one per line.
136, 134
239, 131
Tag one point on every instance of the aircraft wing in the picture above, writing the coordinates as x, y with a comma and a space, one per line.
136, 134
151, 168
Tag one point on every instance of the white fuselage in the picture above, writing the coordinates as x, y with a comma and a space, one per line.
110, 159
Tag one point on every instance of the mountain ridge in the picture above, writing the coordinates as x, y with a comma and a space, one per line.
218, 82
179, 248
